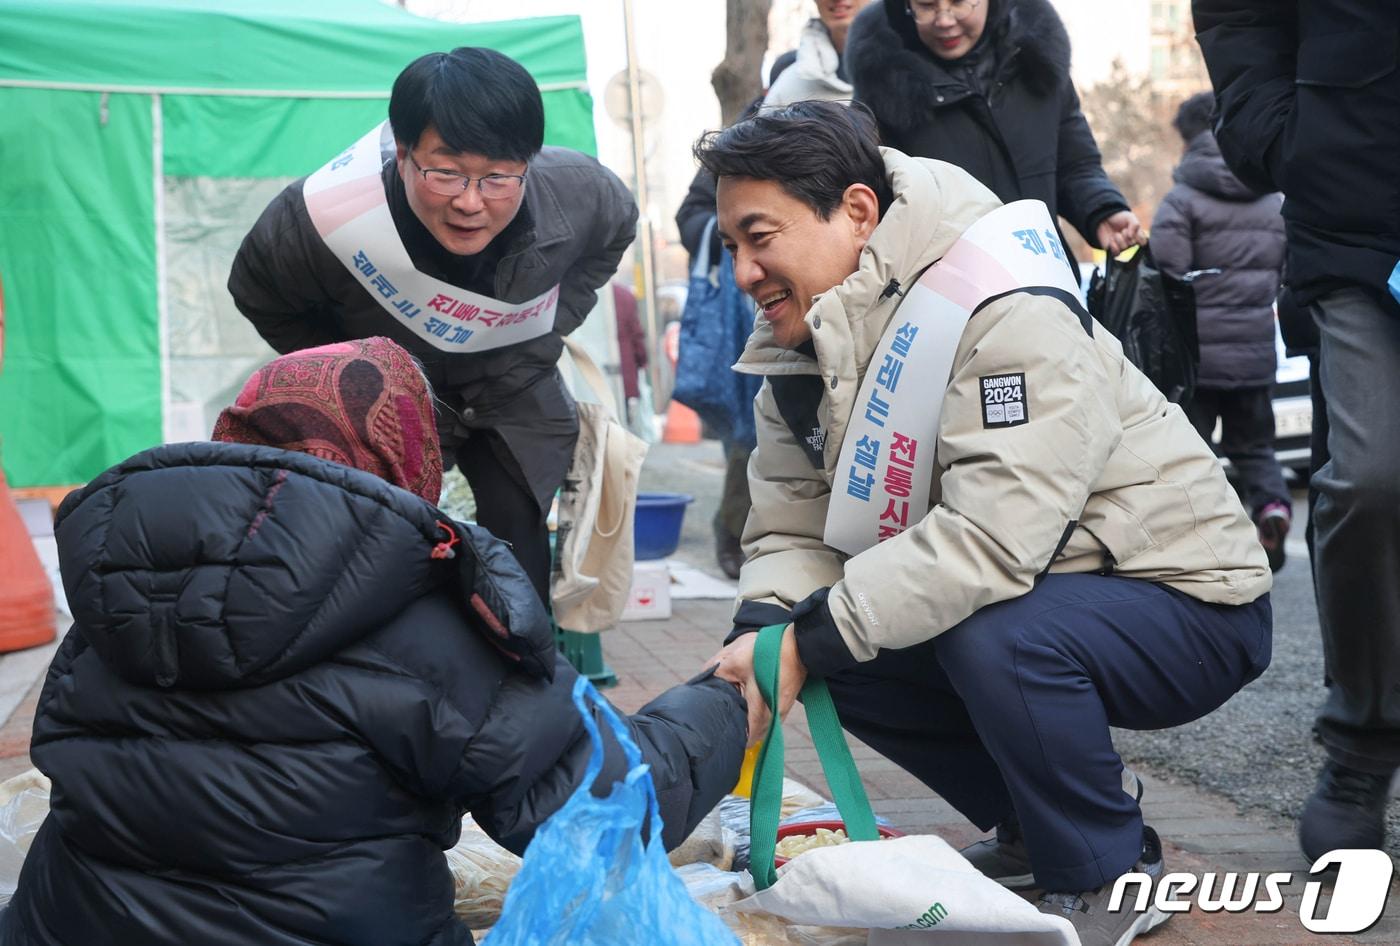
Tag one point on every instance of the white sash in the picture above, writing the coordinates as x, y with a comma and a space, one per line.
883, 479
346, 202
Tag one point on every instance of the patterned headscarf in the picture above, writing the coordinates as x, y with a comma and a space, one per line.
362, 403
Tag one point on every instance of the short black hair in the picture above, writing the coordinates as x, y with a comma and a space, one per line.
1194, 115
479, 100
813, 150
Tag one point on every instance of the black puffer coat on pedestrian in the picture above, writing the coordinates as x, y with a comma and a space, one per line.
1210, 220
1308, 98
274, 706
1007, 112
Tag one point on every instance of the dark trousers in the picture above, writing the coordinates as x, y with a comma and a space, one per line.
1012, 707
1246, 436
505, 507
1357, 530
734, 501
1317, 458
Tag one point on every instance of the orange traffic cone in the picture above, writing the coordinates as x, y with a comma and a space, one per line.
682, 424
26, 597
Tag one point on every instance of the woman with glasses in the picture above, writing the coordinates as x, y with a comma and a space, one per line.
453, 231
985, 85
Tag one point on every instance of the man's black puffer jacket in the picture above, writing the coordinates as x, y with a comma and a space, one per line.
275, 705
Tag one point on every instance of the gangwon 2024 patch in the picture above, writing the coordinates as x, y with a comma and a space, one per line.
1004, 400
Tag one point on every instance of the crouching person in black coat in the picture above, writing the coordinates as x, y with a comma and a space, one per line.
289, 676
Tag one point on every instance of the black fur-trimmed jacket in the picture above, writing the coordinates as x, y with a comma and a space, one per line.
276, 702
1007, 112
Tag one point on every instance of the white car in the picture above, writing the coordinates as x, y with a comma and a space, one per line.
1292, 410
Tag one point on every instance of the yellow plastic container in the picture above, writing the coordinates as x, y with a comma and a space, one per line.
745, 786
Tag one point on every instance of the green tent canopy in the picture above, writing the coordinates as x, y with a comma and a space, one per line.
138, 140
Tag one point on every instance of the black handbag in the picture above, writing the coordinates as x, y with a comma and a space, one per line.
1153, 315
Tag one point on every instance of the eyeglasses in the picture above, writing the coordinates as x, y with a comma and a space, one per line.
924, 11
447, 183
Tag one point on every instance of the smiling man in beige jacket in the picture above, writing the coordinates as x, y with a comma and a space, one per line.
1055, 554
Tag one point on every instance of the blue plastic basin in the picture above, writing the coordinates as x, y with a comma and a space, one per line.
656, 530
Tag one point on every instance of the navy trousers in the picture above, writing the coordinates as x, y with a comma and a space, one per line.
1011, 709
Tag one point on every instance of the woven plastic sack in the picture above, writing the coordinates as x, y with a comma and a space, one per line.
588, 879
718, 890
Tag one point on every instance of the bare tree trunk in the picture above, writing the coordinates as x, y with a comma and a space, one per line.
737, 80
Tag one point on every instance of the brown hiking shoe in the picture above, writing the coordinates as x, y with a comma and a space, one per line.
729, 554
1088, 910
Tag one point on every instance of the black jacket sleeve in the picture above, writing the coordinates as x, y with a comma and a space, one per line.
753, 616
1250, 48
695, 211
692, 736
1085, 195
274, 280
614, 227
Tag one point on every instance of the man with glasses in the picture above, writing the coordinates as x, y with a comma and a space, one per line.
453, 231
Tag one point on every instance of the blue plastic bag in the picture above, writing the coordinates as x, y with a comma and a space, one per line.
588, 880
715, 326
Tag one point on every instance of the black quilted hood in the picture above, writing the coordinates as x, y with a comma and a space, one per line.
212, 565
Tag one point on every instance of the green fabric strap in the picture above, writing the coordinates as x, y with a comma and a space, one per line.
840, 769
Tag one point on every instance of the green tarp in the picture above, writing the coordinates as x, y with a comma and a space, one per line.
112, 109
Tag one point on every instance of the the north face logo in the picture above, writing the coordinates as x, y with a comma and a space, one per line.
816, 440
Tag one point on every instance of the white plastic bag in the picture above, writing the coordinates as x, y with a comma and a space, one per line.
24, 804
481, 874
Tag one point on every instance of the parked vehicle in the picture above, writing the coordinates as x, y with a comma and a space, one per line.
1292, 411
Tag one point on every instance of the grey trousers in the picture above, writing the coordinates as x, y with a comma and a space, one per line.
1357, 525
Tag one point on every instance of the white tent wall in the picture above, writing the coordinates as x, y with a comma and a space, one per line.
212, 348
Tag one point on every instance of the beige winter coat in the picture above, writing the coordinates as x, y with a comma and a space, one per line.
1103, 455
